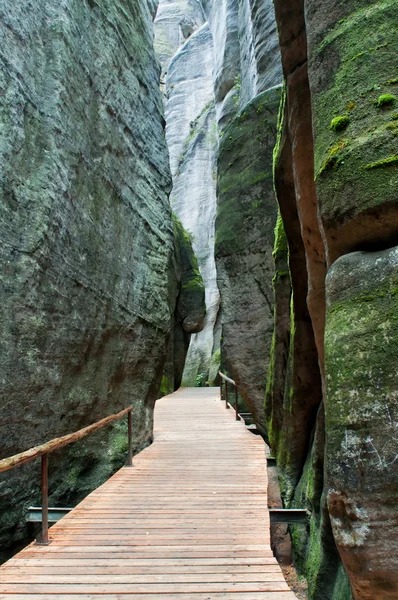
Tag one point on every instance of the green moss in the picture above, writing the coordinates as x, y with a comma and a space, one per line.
345, 188
342, 587
386, 100
245, 184
165, 387
280, 245
216, 358
334, 158
339, 123
384, 162
195, 282
191, 286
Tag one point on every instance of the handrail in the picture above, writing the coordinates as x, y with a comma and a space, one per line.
44, 450
23, 457
229, 380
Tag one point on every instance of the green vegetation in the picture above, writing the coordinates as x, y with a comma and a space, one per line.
245, 183
386, 100
360, 54
384, 162
237, 86
334, 157
340, 123
201, 380
166, 386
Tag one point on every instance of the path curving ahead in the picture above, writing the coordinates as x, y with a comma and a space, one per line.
188, 522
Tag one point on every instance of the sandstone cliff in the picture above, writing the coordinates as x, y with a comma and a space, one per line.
191, 134
87, 289
331, 401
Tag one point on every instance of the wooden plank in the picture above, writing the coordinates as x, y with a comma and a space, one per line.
138, 588
234, 595
182, 524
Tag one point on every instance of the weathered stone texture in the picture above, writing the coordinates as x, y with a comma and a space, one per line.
192, 141
86, 236
361, 348
176, 21
337, 129
352, 63
246, 218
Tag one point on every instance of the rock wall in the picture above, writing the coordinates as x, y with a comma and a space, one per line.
87, 286
247, 73
331, 399
307, 298
356, 172
246, 217
192, 141
188, 300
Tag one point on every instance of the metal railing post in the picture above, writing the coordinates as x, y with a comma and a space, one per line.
44, 502
130, 435
226, 394
220, 388
236, 405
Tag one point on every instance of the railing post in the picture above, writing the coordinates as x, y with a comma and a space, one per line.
44, 541
220, 387
236, 405
130, 436
226, 394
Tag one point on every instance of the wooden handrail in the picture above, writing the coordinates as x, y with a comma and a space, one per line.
23, 457
227, 378
43, 451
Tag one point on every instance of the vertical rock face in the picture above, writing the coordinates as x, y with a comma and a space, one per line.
86, 235
246, 218
176, 21
361, 417
188, 298
224, 64
356, 173
355, 126
337, 127
192, 141
247, 212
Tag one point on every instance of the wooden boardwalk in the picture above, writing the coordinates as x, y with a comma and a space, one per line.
189, 521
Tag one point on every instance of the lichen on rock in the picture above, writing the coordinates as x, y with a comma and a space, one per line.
246, 219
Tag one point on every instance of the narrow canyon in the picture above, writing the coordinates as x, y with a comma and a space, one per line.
188, 186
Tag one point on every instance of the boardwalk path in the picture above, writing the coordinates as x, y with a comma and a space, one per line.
188, 522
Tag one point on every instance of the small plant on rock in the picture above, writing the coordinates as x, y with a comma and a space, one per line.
340, 123
386, 100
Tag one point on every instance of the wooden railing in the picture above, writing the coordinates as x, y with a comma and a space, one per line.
224, 378
44, 450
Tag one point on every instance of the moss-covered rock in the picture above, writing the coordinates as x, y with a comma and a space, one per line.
246, 218
86, 234
191, 308
353, 43
280, 342
187, 306
361, 349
